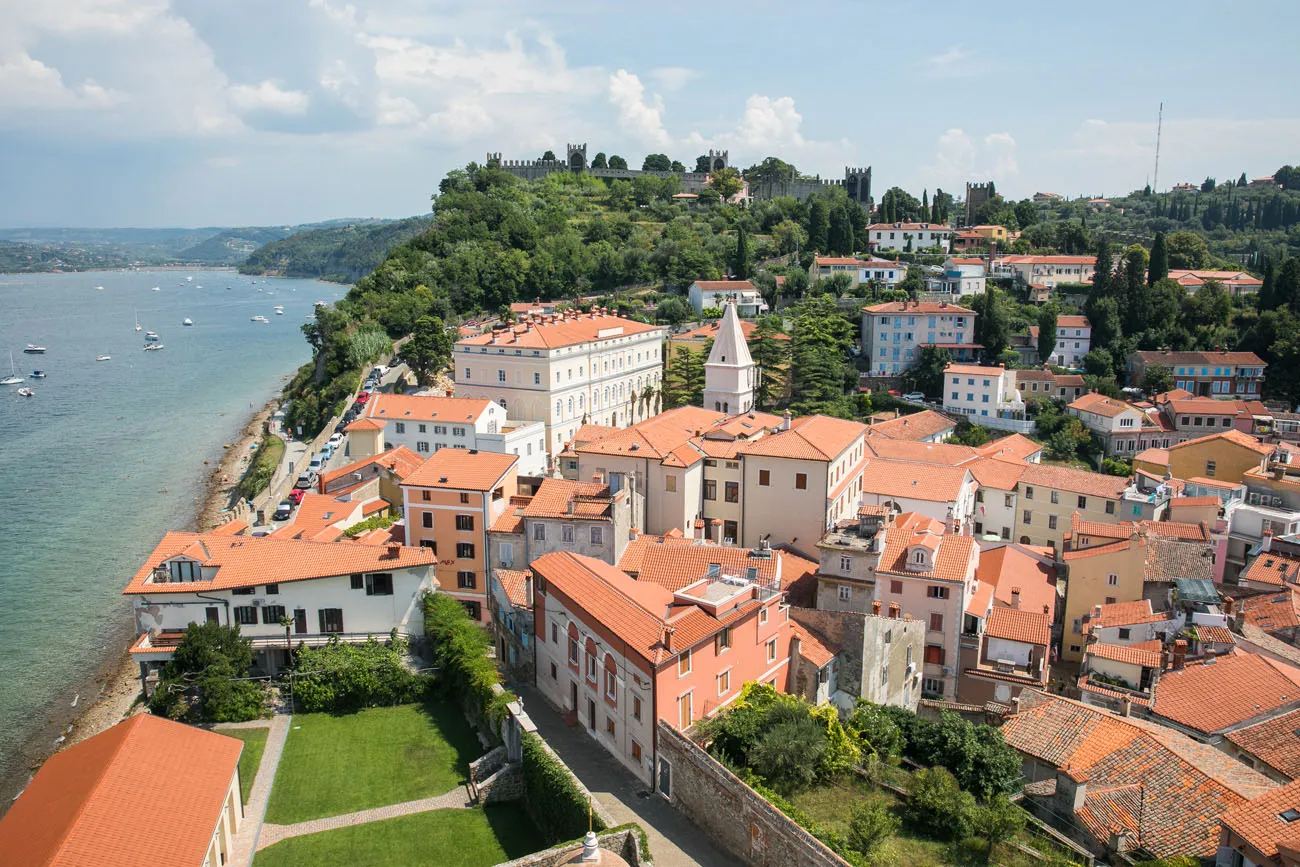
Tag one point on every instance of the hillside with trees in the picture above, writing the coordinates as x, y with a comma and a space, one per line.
343, 254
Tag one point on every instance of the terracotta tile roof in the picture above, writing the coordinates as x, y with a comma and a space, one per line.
1190, 277
1209, 406
922, 452
1179, 530
561, 498
917, 307
834, 260
814, 438
996, 473
674, 566
1146, 653
231, 528
1046, 260
913, 481
1087, 685
1029, 627
908, 227
1099, 404
364, 424
956, 557
1184, 786
798, 578
1273, 742
1009, 567
1233, 436
1012, 446
144, 792
425, 407
559, 331
1260, 822
512, 582
511, 519
1096, 550
1075, 481
1125, 614
1209, 358
400, 461
975, 369
247, 561
657, 436
967, 261
1180, 502
1081, 528
811, 647
1274, 611
1073, 322
1169, 559
321, 518
462, 469
915, 427
724, 285
1212, 696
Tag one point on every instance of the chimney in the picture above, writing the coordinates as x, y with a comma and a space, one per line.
1228, 604
875, 607
894, 610
785, 421
528, 589
1126, 708
1015, 597
668, 638
1180, 653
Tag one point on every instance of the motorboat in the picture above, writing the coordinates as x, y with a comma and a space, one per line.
187, 321
279, 310
152, 347
137, 321
99, 288
156, 289
151, 336
260, 318
33, 349
103, 358
13, 378
38, 374
26, 392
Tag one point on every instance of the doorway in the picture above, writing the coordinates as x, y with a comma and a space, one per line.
300, 621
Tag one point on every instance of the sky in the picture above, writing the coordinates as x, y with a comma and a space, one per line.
268, 112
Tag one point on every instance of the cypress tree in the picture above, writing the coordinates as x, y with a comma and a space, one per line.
740, 264
1159, 267
1101, 277
1267, 292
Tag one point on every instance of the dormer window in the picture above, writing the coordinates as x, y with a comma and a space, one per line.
184, 570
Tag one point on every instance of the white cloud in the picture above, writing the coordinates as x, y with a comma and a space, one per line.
268, 96
640, 118
673, 78
958, 158
343, 14
460, 121
396, 111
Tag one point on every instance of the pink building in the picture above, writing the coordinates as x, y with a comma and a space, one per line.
620, 654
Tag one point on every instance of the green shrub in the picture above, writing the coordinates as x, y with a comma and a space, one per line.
870, 824
199, 683
347, 677
262, 469
877, 732
787, 754
551, 795
380, 521
460, 653
938, 806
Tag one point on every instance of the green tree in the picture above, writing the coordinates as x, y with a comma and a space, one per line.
1026, 213
702, 164
201, 681
913, 282
876, 731
787, 754
789, 236
1103, 270
870, 824
677, 168
1103, 315
1159, 267
997, 820
1157, 379
938, 806
1287, 291
1046, 333
770, 350
549, 156
992, 323
819, 223
927, 372
1267, 297
683, 382
617, 162
818, 366
727, 182
656, 163
740, 268
673, 309
428, 352
1241, 181
1188, 250
598, 161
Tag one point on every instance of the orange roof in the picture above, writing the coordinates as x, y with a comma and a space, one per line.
673, 564
1199, 357
724, 285
1073, 322
365, 424
247, 561
915, 427
1190, 277
1273, 742
1013, 567
955, 559
1011, 446
462, 469
1271, 567
231, 528
561, 498
975, 369
1099, 404
1125, 614
1075, 481
1273, 611
710, 331
916, 307
1233, 436
425, 407
969, 261
811, 647
512, 582
1215, 635
912, 480
146, 791
1018, 624
401, 461
1177, 502
922, 452
657, 436
1260, 821
321, 518
1046, 260
1000, 474
1213, 695
812, 438
553, 332
834, 260
909, 227
1145, 654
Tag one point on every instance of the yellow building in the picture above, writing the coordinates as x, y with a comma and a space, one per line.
1225, 456
1102, 570
990, 233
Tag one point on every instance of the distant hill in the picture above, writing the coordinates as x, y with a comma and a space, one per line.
343, 253
232, 246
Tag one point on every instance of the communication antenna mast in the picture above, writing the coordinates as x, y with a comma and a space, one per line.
1160, 120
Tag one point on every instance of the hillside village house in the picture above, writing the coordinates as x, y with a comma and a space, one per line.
323, 590
584, 517
1045, 385
1047, 496
1217, 373
450, 503
885, 273
510, 602
1073, 341
621, 655
378, 474
426, 423
1046, 271
962, 277
908, 237
1121, 427
1235, 282
894, 332
944, 493
1197, 416
565, 370
704, 294
924, 426
1225, 456
986, 394
89, 803
1261, 832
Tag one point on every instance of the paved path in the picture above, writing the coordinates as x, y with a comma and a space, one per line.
674, 841
251, 724
453, 800
255, 810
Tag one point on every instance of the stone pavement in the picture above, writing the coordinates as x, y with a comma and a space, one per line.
453, 800
255, 809
674, 841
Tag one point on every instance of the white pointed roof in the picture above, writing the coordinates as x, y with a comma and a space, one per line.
729, 347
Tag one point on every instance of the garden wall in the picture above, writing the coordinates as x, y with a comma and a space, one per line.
625, 841
739, 820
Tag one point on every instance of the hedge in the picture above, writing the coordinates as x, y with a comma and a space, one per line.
552, 797
262, 469
460, 653
338, 677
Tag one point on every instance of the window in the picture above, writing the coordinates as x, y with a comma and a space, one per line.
936, 622
566, 533
1007, 501
1110, 507
555, 632
932, 686
771, 650
1110, 600
685, 713
1083, 502
896, 587
684, 663
537, 379
553, 672
331, 619
597, 536
1029, 492
724, 682
801, 481
765, 477
379, 584
937, 592
358, 580
732, 492
244, 591
1209, 469
670, 483
636, 707
464, 499
573, 646
539, 532
846, 593
422, 446
636, 751
710, 489
245, 615
762, 616
1029, 517
465, 580
1112, 580
465, 550
611, 680
464, 522
609, 727
591, 662
1055, 497
846, 563
934, 654
1051, 522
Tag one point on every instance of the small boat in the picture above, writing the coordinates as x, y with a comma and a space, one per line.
260, 318
99, 288
151, 336
152, 347
279, 311
26, 392
137, 320
38, 374
187, 321
103, 358
13, 378
33, 349
189, 279
156, 289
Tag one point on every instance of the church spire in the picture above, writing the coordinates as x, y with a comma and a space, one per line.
730, 375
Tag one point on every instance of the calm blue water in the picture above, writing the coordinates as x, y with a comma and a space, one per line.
110, 454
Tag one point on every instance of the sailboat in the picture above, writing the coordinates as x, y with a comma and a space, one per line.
137, 321
13, 378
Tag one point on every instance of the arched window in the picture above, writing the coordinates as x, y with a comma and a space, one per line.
717, 406
726, 406
570, 408
920, 557
503, 403
592, 655
573, 646
580, 401
559, 409
611, 680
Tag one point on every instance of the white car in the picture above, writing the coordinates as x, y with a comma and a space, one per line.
317, 461
381, 369
336, 441
914, 395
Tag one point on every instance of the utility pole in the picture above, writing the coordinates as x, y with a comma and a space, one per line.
1155, 178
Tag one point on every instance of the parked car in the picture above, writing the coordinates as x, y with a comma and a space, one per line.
914, 395
336, 441
382, 369
316, 463
306, 480
296, 495
362, 398
284, 511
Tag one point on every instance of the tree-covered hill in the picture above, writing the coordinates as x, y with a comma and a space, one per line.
342, 253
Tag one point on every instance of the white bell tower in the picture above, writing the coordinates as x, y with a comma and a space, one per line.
730, 374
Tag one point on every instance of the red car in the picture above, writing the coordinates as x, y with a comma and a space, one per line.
296, 495
362, 398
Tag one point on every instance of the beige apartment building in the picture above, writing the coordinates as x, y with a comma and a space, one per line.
1047, 496
565, 370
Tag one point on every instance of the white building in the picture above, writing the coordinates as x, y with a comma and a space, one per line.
1073, 341
1046, 271
908, 237
566, 370
323, 589
716, 293
985, 394
962, 276
426, 423
894, 332
730, 374
883, 272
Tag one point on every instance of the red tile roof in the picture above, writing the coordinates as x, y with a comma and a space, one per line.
1233, 436
954, 561
1009, 567
676, 563
425, 407
811, 648
1212, 696
247, 561
997, 473
512, 582
724, 285
561, 498
1273, 611
462, 469
915, 427
814, 437
1014, 445
1125, 614
400, 461
1075, 481
1260, 822
922, 452
913, 481
1046, 260
1072, 322
1273, 742
916, 307
1146, 653
147, 791
1158, 356
658, 436
1100, 404
559, 331
1011, 624
364, 424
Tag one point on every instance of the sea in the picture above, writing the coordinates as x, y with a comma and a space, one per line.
108, 455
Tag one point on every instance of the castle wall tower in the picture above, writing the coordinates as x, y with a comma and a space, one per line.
718, 160
577, 157
730, 374
857, 183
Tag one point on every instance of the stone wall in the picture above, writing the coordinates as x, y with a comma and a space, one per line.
739, 820
859, 641
623, 842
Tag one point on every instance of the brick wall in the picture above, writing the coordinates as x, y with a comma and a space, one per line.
740, 821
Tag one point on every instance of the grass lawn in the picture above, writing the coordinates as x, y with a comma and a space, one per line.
375, 757
254, 743
445, 838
